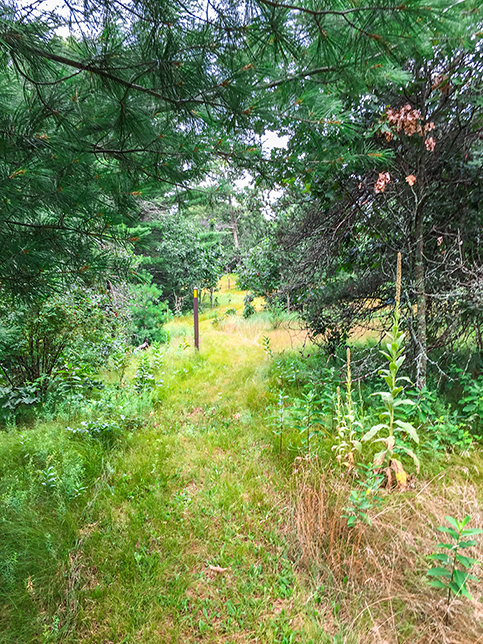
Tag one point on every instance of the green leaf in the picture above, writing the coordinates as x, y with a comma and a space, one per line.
387, 398
460, 576
437, 583
450, 531
438, 572
452, 521
458, 585
410, 453
410, 429
379, 459
465, 521
471, 531
372, 432
440, 557
448, 546
399, 361
467, 544
467, 562
405, 401
459, 590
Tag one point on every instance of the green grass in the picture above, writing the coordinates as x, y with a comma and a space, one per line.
194, 529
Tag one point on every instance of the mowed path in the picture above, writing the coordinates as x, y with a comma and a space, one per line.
190, 538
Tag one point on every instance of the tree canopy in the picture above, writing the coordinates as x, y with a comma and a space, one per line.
143, 92
420, 194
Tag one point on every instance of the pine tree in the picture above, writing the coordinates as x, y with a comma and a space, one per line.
152, 91
409, 179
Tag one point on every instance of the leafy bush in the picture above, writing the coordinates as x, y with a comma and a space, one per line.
106, 432
472, 399
148, 314
34, 336
248, 309
260, 270
452, 573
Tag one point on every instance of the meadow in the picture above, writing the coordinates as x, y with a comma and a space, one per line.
220, 496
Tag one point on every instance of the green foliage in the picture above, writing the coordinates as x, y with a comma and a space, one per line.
34, 337
279, 418
450, 432
348, 446
361, 501
248, 308
452, 573
119, 361
158, 352
327, 307
13, 397
144, 378
148, 313
392, 401
70, 384
104, 431
306, 416
472, 399
180, 255
266, 346
46, 473
260, 269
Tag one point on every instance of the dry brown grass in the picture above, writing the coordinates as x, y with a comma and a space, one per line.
375, 575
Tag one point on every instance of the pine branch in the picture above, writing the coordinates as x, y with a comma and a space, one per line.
328, 12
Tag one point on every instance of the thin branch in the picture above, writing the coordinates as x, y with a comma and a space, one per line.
327, 12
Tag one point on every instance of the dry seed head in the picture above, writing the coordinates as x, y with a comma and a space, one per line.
398, 279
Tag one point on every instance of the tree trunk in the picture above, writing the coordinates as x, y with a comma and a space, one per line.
234, 226
421, 302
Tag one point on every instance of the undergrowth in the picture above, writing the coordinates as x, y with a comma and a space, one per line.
227, 496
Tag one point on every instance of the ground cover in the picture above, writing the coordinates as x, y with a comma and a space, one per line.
199, 531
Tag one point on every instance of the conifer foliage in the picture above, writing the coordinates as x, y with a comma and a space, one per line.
99, 98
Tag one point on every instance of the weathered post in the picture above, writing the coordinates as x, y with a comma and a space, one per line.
195, 318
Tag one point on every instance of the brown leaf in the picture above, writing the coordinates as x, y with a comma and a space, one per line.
411, 179
218, 569
383, 179
401, 475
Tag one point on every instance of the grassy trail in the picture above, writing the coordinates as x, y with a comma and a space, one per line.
189, 540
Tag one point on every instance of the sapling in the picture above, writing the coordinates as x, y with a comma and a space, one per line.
307, 416
361, 501
144, 378
453, 572
278, 418
119, 360
266, 346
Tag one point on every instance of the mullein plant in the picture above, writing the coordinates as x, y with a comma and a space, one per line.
347, 446
394, 429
